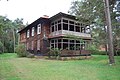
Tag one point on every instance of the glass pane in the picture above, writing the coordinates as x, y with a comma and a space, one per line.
65, 21
77, 46
59, 45
52, 23
65, 40
52, 45
71, 28
77, 28
78, 42
65, 45
52, 41
59, 26
59, 40
71, 22
52, 28
59, 21
71, 41
55, 27
72, 46
65, 26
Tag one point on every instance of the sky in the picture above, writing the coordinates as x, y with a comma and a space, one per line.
30, 10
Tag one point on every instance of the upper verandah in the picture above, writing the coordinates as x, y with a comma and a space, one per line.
47, 20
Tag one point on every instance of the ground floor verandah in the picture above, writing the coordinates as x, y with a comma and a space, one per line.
71, 47
68, 46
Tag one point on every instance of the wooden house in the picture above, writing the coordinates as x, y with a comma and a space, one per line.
58, 31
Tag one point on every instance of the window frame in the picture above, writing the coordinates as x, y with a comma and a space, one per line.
33, 31
39, 29
28, 33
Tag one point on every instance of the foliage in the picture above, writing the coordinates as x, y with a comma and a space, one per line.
96, 68
92, 47
29, 55
54, 53
93, 11
8, 32
96, 52
21, 50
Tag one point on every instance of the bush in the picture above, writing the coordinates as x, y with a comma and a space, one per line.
55, 53
97, 52
93, 49
21, 50
29, 55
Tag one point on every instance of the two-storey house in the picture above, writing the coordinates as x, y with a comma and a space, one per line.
56, 32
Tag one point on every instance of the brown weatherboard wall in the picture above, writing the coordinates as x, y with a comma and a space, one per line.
45, 30
36, 37
44, 40
23, 37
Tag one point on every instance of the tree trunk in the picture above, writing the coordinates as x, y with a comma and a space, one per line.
109, 31
14, 39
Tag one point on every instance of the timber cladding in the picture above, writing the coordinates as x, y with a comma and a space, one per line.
44, 33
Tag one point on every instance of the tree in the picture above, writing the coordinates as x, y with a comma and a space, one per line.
110, 37
93, 10
88, 10
8, 33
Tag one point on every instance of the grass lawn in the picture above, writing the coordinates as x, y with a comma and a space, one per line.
96, 68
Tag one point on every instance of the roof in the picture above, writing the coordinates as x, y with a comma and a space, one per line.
41, 19
60, 14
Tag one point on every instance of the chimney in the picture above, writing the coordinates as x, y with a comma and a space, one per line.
45, 16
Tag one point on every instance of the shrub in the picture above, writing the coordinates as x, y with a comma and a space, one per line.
55, 53
29, 55
93, 49
97, 52
21, 50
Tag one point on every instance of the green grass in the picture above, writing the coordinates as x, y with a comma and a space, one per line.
96, 68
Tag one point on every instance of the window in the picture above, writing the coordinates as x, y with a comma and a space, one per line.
71, 22
28, 33
59, 26
65, 26
82, 29
72, 44
65, 21
52, 43
71, 27
32, 45
65, 44
38, 45
59, 43
39, 29
59, 21
83, 45
33, 31
52, 28
77, 28
55, 27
